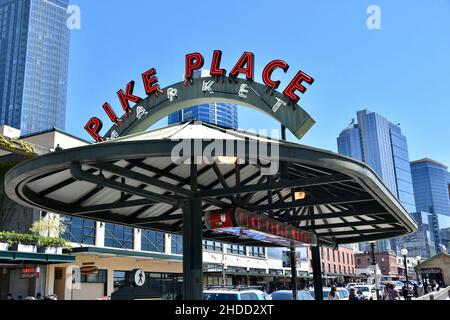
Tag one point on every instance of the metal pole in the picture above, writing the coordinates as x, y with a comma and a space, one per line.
374, 264
317, 272
294, 272
192, 243
406, 276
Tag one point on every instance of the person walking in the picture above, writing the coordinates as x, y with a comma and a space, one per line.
405, 292
333, 295
393, 294
386, 292
353, 295
416, 291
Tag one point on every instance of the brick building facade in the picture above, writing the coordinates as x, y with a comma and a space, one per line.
338, 265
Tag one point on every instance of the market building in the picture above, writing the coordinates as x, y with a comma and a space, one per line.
205, 182
386, 261
437, 269
338, 265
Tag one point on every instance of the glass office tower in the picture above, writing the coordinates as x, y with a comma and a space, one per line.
222, 114
380, 143
34, 59
431, 186
432, 193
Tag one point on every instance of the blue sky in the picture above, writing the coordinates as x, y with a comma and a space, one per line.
401, 71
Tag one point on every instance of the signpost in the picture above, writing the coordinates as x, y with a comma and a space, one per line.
137, 278
29, 273
159, 103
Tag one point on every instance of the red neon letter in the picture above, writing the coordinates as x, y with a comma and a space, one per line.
245, 65
267, 72
194, 61
150, 82
296, 84
124, 98
111, 114
215, 65
93, 127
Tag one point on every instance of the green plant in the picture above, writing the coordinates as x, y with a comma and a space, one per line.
13, 238
28, 239
52, 242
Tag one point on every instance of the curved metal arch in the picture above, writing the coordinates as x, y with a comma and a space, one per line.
208, 90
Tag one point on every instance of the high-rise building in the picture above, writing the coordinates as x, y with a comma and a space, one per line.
34, 59
432, 194
380, 143
431, 186
222, 114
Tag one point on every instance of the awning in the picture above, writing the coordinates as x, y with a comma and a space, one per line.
35, 258
134, 181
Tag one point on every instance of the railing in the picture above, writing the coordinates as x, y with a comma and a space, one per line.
442, 294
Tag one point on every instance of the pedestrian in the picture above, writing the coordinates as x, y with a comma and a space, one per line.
353, 295
416, 291
333, 295
385, 294
405, 292
393, 294
360, 295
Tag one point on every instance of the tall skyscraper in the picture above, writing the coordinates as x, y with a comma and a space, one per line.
380, 143
222, 114
432, 193
34, 59
431, 186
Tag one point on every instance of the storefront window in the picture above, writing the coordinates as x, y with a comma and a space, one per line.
236, 249
212, 245
117, 236
257, 252
120, 279
152, 241
79, 230
99, 277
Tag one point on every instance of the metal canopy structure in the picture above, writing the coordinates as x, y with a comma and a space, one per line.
133, 181
167, 179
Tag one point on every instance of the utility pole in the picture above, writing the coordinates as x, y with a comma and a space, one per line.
294, 272
374, 264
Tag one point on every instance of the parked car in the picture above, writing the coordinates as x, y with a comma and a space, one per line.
367, 290
287, 295
234, 294
343, 293
352, 284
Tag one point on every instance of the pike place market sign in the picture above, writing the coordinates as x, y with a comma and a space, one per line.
220, 87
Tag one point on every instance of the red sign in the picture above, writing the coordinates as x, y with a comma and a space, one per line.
195, 61
28, 273
258, 227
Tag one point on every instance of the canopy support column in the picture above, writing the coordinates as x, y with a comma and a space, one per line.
192, 244
317, 272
